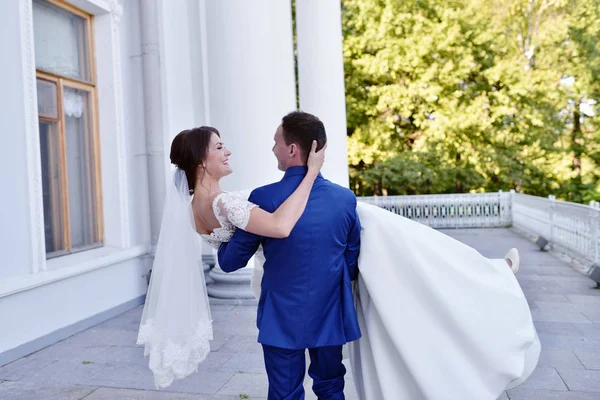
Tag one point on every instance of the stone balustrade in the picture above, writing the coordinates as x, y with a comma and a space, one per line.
569, 228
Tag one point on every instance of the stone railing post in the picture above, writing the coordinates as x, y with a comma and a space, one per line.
552, 198
512, 206
595, 231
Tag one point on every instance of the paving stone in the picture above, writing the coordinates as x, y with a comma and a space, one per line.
589, 330
558, 328
122, 322
567, 342
529, 394
549, 285
558, 316
592, 314
121, 376
585, 286
584, 299
532, 305
135, 313
219, 339
208, 382
22, 367
589, 358
238, 313
551, 306
215, 361
242, 344
140, 377
65, 373
545, 296
237, 328
543, 378
246, 384
135, 394
559, 359
95, 354
582, 381
103, 337
120, 355
65, 352
234, 397
245, 362
39, 391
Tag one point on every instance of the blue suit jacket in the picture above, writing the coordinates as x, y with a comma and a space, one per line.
306, 299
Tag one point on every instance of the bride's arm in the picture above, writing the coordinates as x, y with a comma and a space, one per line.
280, 223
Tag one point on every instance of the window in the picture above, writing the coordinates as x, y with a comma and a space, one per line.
68, 127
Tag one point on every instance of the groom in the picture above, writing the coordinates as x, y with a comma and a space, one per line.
306, 299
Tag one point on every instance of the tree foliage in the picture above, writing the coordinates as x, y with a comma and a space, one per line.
468, 96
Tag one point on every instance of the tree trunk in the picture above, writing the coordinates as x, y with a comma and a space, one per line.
577, 149
459, 186
577, 143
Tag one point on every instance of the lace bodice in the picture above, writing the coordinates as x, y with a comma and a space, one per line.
232, 210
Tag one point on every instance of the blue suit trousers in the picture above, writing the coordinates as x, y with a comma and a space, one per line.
286, 369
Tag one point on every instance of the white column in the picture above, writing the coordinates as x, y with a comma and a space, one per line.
231, 286
113, 146
321, 77
250, 69
175, 95
251, 77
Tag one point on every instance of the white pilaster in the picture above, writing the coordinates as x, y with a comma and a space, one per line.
113, 147
31, 133
154, 112
321, 77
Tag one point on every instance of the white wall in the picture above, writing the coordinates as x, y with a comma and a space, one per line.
31, 314
81, 286
15, 217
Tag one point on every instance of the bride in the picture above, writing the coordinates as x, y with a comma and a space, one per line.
439, 321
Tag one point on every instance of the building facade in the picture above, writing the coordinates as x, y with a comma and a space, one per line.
94, 92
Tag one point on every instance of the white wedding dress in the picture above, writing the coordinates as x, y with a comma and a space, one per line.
439, 321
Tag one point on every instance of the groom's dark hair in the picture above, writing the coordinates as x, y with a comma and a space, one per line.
302, 128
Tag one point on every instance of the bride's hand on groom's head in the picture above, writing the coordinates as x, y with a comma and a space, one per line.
316, 158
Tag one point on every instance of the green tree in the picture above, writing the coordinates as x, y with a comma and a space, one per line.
463, 96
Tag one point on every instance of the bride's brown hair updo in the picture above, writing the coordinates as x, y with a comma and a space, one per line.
188, 150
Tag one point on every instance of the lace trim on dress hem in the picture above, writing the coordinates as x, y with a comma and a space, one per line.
169, 360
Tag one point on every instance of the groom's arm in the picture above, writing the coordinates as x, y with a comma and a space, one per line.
236, 253
353, 246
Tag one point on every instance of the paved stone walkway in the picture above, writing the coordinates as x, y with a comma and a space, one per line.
103, 363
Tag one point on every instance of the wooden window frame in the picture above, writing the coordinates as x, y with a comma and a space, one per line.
90, 88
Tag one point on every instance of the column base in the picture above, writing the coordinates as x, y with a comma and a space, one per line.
234, 285
207, 279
